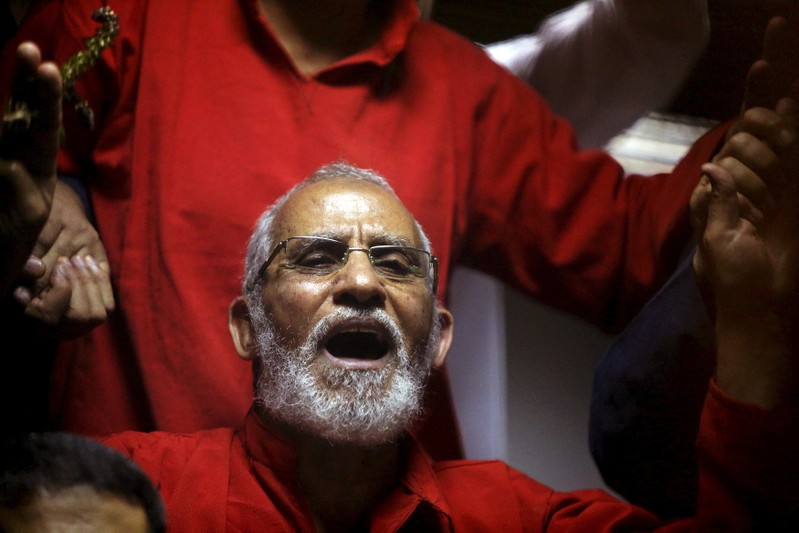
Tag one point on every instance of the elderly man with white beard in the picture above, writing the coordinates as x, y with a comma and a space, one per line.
340, 317
377, 349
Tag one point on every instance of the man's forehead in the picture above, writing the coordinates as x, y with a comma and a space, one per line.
339, 207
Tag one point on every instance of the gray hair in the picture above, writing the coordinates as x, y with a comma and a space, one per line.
262, 240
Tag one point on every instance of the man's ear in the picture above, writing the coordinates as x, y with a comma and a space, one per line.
241, 330
445, 341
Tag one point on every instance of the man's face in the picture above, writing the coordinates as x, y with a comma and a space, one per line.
345, 355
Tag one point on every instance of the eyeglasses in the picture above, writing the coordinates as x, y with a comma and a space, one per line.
322, 256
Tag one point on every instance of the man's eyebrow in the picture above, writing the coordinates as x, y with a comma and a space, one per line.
375, 240
388, 238
336, 236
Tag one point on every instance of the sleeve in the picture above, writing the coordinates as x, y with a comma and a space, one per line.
748, 466
649, 388
604, 63
564, 225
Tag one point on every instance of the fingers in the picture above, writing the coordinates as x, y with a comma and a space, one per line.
23, 196
699, 203
33, 268
779, 50
715, 214
776, 75
35, 112
776, 127
67, 233
76, 300
763, 156
50, 305
37, 83
723, 213
715, 205
24, 209
756, 168
79, 239
100, 274
759, 89
89, 303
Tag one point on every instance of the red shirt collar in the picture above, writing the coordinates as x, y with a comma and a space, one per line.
276, 454
393, 40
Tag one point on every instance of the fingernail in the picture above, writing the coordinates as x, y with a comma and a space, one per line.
79, 262
33, 263
93, 266
63, 268
784, 138
22, 295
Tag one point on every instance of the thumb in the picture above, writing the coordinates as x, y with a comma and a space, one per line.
722, 209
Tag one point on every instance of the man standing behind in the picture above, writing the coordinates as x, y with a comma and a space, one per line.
205, 113
339, 315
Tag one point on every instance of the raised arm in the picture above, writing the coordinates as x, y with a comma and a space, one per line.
28, 145
748, 253
68, 287
651, 383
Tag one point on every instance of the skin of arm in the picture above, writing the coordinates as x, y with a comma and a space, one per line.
748, 254
27, 160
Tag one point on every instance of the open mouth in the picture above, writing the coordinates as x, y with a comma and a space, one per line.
357, 344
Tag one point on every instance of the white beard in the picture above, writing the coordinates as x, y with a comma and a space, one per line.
362, 407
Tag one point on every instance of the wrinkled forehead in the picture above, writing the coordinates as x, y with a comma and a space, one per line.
354, 212
79, 508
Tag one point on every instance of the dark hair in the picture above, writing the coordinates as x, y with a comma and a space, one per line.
59, 461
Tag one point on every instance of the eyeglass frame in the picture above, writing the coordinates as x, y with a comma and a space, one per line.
282, 245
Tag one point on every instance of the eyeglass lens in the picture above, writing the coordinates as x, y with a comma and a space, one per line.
322, 255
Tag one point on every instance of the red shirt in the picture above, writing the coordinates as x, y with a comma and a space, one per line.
203, 121
224, 480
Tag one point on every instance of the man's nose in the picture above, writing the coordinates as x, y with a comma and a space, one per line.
357, 282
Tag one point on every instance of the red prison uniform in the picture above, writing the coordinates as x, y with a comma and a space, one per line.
203, 120
224, 480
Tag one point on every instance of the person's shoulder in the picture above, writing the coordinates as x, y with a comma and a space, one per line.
178, 447
438, 38
447, 57
492, 495
483, 471
177, 463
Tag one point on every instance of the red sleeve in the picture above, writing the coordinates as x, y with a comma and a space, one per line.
190, 471
748, 465
563, 225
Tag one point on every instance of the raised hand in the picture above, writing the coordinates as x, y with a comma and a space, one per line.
748, 253
31, 142
28, 147
776, 75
